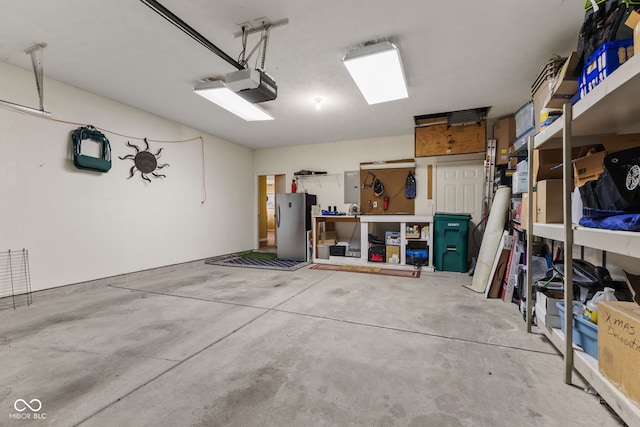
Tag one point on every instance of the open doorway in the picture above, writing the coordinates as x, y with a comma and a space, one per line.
268, 188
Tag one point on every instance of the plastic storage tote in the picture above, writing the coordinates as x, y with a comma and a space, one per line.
604, 61
417, 256
585, 333
451, 233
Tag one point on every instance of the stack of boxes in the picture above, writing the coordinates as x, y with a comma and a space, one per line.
327, 239
416, 255
392, 242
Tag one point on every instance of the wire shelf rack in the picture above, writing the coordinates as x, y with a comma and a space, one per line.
15, 279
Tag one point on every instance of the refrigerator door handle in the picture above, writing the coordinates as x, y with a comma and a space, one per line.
278, 216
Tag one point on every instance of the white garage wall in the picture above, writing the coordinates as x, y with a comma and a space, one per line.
337, 157
79, 225
333, 158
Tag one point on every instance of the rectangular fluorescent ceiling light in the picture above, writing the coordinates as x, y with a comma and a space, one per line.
218, 93
377, 71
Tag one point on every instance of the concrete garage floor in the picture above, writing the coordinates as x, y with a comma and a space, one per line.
203, 345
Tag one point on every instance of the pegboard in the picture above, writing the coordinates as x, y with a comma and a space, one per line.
394, 180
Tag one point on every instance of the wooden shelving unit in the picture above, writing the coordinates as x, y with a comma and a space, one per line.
611, 107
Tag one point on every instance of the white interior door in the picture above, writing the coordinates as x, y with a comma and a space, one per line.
459, 188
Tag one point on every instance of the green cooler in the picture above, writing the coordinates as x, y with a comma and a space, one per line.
450, 235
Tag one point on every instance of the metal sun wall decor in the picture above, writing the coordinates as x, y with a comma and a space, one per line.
144, 161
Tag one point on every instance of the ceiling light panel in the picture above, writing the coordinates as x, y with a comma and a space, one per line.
377, 71
217, 92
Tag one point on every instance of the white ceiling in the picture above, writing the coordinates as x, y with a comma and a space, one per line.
456, 55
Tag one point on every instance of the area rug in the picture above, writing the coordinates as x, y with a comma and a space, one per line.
368, 270
257, 262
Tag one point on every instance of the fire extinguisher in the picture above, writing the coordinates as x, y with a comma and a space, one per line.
294, 186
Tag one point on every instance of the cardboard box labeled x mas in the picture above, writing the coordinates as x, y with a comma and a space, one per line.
619, 345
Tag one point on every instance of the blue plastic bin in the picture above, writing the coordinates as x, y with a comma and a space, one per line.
417, 256
585, 333
604, 61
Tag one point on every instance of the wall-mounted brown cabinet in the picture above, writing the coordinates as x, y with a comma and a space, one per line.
441, 140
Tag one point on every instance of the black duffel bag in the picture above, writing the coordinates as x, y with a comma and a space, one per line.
618, 188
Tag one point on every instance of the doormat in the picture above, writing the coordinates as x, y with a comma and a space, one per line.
268, 264
368, 270
260, 255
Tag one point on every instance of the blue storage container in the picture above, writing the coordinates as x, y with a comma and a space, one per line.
604, 61
416, 255
585, 333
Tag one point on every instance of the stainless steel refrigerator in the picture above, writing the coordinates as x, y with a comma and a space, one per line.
293, 220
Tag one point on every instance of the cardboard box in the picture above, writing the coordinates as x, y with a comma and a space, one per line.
547, 312
619, 345
588, 168
548, 201
513, 161
565, 84
328, 235
496, 283
614, 143
412, 231
545, 164
504, 132
328, 242
393, 254
327, 238
633, 21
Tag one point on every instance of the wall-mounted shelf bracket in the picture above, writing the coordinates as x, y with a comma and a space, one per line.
36, 61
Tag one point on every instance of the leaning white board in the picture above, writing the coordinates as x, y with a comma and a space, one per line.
491, 239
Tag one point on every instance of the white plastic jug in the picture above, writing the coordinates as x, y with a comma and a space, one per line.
591, 310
